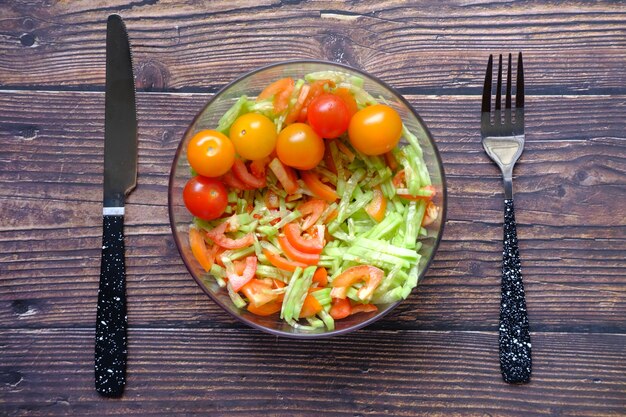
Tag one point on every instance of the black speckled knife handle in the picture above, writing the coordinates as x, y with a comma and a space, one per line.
515, 355
111, 320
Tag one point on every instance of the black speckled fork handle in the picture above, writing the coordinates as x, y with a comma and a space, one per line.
111, 320
515, 355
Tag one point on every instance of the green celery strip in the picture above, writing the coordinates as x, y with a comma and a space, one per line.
384, 247
412, 139
323, 296
372, 255
235, 297
411, 282
267, 271
227, 120
288, 219
267, 230
347, 194
315, 322
233, 255
327, 319
382, 229
358, 204
341, 173
415, 215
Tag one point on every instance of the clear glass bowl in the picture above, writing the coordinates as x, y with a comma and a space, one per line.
251, 85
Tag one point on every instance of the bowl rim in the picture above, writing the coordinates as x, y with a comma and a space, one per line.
241, 318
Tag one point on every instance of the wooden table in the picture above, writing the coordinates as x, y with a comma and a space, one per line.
435, 354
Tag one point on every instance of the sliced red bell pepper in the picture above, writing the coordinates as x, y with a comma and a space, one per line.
309, 243
258, 292
237, 281
317, 187
218, 236
371, 275
340, 308
311, 212
296, 255
241, 172
282, 263
310, 307
378, 206
286, 176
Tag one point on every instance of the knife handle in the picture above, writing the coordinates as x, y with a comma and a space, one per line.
515, 353
111, 345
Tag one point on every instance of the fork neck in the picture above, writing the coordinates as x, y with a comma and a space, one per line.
507, 179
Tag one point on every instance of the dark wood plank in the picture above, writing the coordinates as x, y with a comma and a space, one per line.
226, 372
419, 46
570, 188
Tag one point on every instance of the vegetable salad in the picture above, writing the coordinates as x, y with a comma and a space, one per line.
305, 206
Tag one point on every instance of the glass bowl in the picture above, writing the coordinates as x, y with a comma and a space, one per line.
252, 84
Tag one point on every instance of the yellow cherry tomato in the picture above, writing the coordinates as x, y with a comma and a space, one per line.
299, 146
210, 153
254, 136
375, 130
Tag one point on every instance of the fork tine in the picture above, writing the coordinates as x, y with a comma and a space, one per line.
508, 85
519, 89
486, 107
499, 86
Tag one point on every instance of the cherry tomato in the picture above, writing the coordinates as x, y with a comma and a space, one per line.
299, 146
210, 153
375, 129
205, 198
253, 135
329, 116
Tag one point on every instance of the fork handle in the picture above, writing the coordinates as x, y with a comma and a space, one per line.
515, 352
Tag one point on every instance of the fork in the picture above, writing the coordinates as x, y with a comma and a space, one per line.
503, 141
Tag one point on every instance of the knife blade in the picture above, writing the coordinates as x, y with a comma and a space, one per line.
120, 178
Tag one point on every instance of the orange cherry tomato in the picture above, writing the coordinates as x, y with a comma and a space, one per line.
299, 146
375, 130
317, 187
210, 153
253, 135
281, 91
340, 308
296, 255
378, 206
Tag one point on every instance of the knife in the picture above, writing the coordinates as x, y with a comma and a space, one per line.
120, 177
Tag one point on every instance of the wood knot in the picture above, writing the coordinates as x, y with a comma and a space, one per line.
24, 308
338, 48
152, 75
28, 39
28, 133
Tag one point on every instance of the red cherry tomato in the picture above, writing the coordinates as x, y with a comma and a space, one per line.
205, 198
329, 116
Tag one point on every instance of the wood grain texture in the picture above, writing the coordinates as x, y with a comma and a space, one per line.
570, 186
429, 46
393, 373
